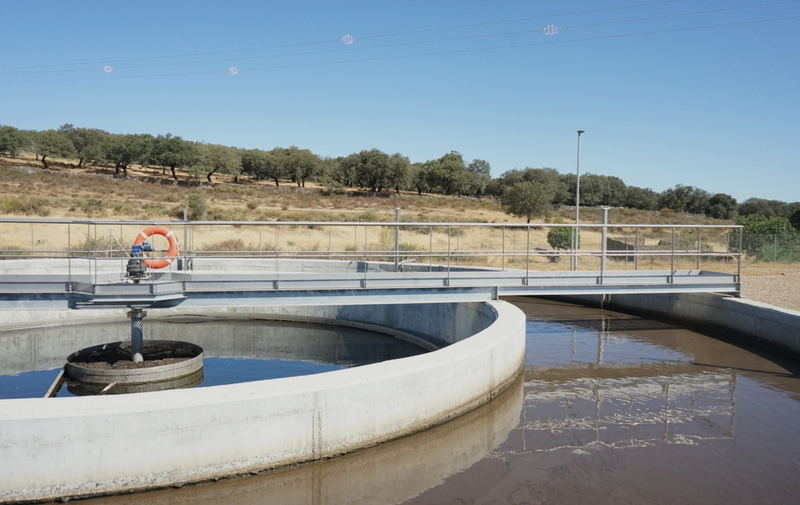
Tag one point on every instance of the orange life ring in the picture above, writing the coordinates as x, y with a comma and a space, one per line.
173, 245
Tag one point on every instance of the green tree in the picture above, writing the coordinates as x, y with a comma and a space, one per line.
214, 159
298, 164
88, 142
10, 141
757, 224
760, 232
767, 208
419, 177
173, 152
480, 175
557, 184
685, 199
560, 237
54, 144
794, 220
197, 206
617, 192
447, 175
400, 170
722, 206
641, 198
123, 150
527, 200
262, 165
371, 168
27, 141
594, 190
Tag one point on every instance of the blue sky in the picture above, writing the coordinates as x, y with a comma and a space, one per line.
693, 92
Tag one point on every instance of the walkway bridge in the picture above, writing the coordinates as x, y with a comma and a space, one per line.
83, 263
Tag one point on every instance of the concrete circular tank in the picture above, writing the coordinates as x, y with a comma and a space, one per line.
117, 444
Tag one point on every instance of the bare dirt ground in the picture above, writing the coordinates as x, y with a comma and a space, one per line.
780, 290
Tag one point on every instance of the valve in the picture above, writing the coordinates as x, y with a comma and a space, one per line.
136, 267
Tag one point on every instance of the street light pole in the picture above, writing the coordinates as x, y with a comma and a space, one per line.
576, 235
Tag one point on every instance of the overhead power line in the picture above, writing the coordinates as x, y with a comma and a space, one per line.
547, 30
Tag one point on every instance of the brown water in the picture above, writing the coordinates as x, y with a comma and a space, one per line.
612, 409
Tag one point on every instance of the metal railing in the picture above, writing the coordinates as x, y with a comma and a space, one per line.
91, 246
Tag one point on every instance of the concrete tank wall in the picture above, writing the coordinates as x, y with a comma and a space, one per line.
755, 322
62, 447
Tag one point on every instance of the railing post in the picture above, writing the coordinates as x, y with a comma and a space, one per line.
528, 256
447, 282
458, 247
699, 248
636, 251
604, 245
672, 260
430, 246
69, 253
739, 265
396, 238
503, 251
186, 237
573, 256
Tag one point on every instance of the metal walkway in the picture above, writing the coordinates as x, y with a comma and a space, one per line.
348, 282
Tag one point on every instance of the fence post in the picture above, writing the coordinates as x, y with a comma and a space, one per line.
775, 248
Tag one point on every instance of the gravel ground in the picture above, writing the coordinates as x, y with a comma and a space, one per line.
779, 290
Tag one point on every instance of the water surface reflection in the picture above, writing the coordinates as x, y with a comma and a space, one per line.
620, 409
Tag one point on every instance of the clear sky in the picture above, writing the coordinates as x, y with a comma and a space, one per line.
694, 92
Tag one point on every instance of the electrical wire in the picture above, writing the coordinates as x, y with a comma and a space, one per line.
281, 46
234, 70
433, 41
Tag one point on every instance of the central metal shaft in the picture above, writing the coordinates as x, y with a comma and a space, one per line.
137, 334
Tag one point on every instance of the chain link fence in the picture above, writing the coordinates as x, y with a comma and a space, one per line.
768, 248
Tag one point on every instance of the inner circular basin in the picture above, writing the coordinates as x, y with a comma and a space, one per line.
235, 349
